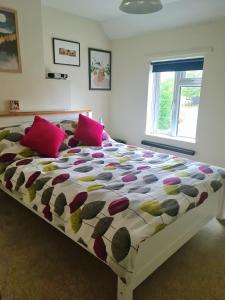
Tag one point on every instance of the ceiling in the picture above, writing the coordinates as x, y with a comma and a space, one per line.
117, 24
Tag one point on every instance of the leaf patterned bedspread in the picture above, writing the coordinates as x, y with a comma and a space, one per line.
111, 198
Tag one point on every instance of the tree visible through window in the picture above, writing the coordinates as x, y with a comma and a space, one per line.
166, 100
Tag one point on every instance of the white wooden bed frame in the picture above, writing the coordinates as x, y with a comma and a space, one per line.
157, 249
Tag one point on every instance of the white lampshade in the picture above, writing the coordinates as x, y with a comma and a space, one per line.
140, 6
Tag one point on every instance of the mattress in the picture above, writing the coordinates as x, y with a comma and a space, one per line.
112, 198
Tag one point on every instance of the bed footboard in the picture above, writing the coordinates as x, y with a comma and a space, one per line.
124, 292
167, 242
221, 207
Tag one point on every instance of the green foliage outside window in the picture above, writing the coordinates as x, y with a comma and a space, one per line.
191, 92
166, 100
165, 108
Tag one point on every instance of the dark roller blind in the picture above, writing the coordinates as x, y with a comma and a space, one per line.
178, 65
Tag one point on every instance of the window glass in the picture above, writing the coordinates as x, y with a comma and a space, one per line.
188, 112
193, 74
165, 101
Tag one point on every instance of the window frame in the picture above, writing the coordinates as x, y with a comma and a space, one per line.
180, 80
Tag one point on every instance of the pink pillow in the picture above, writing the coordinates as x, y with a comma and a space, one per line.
105, 135
44, 137
89, 131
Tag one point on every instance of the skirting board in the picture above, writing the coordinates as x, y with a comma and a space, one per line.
157, 249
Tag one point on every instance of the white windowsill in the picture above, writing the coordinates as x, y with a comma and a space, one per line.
165, 137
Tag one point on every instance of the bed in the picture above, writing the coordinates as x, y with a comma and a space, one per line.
130, 207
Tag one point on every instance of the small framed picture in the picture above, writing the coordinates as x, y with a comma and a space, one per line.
14, 105
100, 65
10, 60
66, 52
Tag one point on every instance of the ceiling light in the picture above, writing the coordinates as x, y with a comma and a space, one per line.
140, 6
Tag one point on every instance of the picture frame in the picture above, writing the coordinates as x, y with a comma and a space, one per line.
10, 57
100, 69
14, 105
66, 52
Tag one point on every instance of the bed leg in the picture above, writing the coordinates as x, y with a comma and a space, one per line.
124, 292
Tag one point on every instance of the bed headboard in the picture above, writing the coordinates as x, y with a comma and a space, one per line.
15, 118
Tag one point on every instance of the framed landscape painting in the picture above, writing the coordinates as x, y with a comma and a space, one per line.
66, 52
100, 62
10, 60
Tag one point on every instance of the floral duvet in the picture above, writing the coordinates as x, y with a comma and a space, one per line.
109, 199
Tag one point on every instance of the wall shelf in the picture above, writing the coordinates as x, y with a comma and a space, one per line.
35, 113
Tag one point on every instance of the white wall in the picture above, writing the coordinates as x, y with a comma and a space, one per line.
89, 34
130, 86
30, 87
130, 74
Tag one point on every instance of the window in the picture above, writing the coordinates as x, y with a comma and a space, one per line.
176, 92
